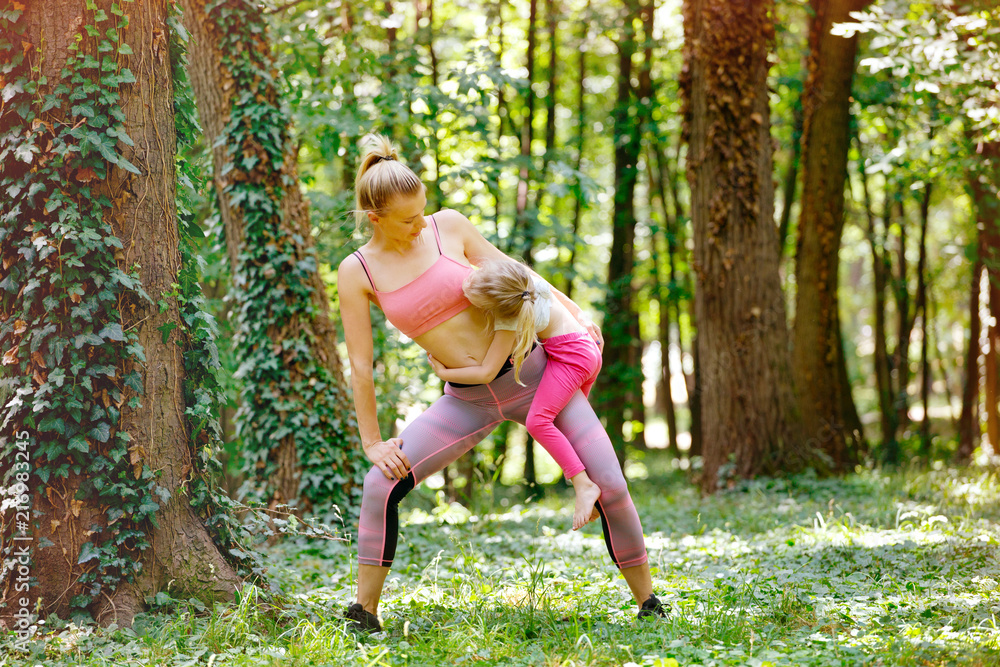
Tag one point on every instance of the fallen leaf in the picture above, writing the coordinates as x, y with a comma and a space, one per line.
85, 175
20, 326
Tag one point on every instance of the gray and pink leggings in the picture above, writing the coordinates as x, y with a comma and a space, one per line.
465, 415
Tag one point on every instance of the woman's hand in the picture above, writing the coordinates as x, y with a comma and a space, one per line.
389, 458
593, 330
438, 367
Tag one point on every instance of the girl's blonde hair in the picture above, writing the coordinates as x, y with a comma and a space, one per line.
505, 290
381, 177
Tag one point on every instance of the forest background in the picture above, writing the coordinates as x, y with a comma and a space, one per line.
782, 215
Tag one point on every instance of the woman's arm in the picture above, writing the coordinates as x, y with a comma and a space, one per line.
499, 352
355, 314
477, 249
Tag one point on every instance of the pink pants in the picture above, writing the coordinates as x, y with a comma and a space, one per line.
573, 363
464, 416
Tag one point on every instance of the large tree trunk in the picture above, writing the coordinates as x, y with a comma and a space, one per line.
274, 260
826, 139
750, 420
140, 211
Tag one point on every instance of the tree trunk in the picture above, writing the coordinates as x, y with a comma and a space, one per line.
905, 318
969, 432
664, 291
750, 419
139, 210
522, 225
984, 184
581, 127
616, 379
296, 415
826, 139
880, 271
791, 180
921, 307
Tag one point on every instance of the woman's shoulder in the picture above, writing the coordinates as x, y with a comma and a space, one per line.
448, 219
351, 265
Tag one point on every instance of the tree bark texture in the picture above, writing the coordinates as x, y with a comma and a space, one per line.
826, 138
750, 420
182, 558
217, 91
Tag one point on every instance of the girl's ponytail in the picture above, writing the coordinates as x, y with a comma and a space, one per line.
525, 331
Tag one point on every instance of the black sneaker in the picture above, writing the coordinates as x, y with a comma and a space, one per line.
651, 608
363, 620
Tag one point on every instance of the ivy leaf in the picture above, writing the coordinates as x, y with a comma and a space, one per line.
128, 166
165, 329
88, 552
101, 432
124, 49
79, 443
85, 338
112, 332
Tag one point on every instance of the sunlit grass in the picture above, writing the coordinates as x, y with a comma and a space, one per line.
876, 568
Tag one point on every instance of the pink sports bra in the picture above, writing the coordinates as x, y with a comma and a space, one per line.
431, 298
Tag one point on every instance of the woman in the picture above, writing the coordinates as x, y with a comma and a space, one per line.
412, 268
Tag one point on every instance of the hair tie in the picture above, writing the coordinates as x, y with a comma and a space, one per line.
525, 294
383, 157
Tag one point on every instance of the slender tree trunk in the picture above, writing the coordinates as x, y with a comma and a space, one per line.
905, 319
968, 422
790, 181
522, 225
879, 271
678, 245
139, 210
750, 419
826, 139
921, 307
581, 127
664, 291
616, 379
218, 91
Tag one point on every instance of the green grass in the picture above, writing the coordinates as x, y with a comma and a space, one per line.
872, 569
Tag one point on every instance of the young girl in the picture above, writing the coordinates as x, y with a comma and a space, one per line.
520, 307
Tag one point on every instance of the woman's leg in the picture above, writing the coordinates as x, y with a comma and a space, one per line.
445, 431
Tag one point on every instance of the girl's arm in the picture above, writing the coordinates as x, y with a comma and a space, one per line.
355, 314
500, 349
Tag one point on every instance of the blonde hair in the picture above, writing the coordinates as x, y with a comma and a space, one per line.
505, 290
381, 177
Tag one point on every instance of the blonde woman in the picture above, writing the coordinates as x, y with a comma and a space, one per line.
521, 309
413, 268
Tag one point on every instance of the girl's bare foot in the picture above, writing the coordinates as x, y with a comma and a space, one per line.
587, 494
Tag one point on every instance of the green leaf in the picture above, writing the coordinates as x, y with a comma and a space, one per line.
88, 552
124, 49
79, 443
101, 432
112, 332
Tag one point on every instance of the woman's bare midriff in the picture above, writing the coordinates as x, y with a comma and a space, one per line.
461, 341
